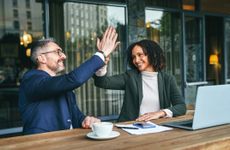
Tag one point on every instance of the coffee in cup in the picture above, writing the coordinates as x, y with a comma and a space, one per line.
102, 129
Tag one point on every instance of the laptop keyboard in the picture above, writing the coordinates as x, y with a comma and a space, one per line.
189, 124
185, 123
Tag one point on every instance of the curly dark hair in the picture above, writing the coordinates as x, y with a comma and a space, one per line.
152, 50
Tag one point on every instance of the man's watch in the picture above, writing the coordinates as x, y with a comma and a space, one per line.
102, 53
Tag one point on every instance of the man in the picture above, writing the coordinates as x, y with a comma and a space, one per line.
46, 101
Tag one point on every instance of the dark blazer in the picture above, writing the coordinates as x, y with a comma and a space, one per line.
131, 82
47, 103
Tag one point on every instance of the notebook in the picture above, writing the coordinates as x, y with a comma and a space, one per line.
212, 108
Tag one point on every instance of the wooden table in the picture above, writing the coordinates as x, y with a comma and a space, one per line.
211, 138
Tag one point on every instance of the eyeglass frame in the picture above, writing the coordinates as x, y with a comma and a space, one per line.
58, 51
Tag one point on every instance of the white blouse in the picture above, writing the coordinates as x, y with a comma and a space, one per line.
150, 101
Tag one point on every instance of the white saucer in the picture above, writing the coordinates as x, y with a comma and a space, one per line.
113, 134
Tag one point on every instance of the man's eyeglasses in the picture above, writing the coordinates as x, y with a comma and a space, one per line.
58, 51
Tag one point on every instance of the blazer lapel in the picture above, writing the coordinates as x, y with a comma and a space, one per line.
139, 88
160, 89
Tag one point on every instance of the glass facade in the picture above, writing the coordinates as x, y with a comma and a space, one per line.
194, 49
194, 57
164, 28
227, 46
83, 24
21, 23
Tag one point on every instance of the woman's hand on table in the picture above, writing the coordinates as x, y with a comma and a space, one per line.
151, 115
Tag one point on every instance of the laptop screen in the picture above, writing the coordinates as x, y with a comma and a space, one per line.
212, 106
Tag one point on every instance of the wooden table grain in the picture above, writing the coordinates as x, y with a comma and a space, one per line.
214, 138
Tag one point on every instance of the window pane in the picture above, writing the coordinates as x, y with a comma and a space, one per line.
15, 13
164, 28
13, 59
194, 52
193, 57
28, 14
80, 44
227, 34
16, 25
27, 3
15, 3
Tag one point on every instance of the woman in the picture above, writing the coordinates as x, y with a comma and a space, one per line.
149, 92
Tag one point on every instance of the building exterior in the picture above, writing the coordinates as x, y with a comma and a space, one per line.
19, 16
195, 36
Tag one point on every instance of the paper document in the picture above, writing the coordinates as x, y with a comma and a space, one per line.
130, 128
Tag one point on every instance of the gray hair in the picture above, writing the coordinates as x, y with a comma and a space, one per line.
38, 46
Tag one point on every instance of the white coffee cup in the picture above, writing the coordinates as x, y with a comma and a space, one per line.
102, 129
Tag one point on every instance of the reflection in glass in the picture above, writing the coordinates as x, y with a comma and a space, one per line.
193, 57
13, 60
227, 44
164, 28
83, 24
12, 54
194, 52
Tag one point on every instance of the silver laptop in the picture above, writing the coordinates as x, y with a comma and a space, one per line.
212, 108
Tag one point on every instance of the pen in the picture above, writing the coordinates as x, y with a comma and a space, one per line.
130, 128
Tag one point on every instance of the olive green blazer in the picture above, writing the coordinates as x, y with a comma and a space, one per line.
131, 82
